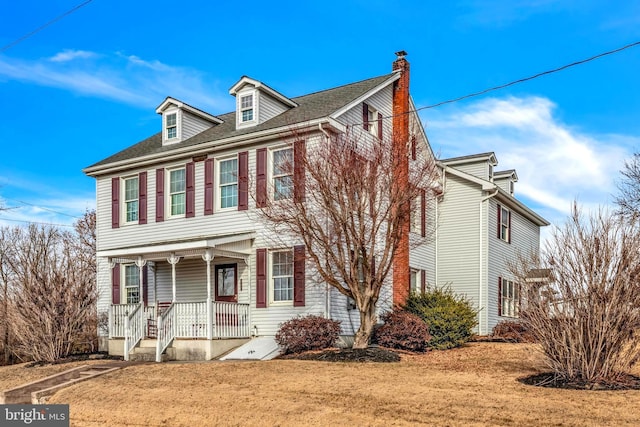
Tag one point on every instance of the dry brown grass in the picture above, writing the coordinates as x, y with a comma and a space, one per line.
15, 375
472, 386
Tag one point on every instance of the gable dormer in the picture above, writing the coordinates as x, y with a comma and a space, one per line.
256, 102
181, 121
506, 180
478, 165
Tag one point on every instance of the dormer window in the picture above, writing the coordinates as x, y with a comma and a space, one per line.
490, 172
246, 108
171, 125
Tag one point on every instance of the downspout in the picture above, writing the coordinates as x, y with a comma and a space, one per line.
484, 199
327, 293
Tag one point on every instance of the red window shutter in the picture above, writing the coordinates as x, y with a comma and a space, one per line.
423, 281
115, 284
159, 195
413, 148
365, 116
499, 222
423, 213
115, 202
261, 177
142, 198
145, 285
380, 125
298, 276
299, 151
509, 225
261, 278
208, 186
190, 208
499, 296
243, 181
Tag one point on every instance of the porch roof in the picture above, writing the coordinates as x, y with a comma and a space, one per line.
227, 245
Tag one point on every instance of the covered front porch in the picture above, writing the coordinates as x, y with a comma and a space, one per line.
191, 290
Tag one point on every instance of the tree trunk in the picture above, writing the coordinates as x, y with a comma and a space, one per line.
367, 322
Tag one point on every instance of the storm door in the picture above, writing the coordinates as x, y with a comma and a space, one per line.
227, 282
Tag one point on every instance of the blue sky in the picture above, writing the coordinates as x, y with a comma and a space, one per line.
87, 86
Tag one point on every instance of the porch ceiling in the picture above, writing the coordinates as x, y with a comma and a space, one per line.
228, 245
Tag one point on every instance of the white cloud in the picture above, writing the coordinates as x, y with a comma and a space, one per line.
70, 54
556, 163
127, 79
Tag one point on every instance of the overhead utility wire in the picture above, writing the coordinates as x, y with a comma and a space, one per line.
535, 76
36, 222
40, 207
42, 27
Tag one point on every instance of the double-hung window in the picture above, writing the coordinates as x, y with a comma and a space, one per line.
510, 295
246, 108
504, 224
172, 125
228, 183
177, 192
282, 174
131, 195
132, 283
282, 275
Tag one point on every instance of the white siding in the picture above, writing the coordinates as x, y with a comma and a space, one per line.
479, 169
192, 125
381, 101
269, 107
525, 238
458, 235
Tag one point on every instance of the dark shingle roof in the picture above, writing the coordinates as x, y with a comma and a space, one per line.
313, 106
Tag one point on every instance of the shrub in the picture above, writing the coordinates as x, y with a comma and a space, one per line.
450, 317
307, 333
402, 330
513, 331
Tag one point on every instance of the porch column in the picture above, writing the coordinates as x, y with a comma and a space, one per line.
208, 257
112, 265
173, 260
140, 263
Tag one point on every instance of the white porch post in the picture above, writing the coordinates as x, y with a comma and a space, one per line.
112, 264
208, 257
173, 260
140, 263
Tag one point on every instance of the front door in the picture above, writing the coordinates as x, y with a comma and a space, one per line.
227, 282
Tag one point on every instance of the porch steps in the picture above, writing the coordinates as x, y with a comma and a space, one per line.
38, 391
145, 351
260, 348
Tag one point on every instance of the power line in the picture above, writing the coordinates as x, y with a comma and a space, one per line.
42, 27
40, 207
535, 76
36, 222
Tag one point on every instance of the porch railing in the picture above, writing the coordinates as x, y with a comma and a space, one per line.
118, 314
134, 327
166, 330
191, 319
230, 320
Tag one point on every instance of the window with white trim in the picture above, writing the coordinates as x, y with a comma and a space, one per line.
414, 280
246, 110
510, 298
177, 191
228, 183
131, 284
373, 121
504, 224
171, 125
415, 215
282, 173
282, 276
131, 196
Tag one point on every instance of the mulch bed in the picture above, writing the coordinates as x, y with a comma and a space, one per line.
371, 354
551, 380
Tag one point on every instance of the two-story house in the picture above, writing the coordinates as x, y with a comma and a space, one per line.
481, 228
184, 266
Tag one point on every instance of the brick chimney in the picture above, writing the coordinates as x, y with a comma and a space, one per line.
401, 276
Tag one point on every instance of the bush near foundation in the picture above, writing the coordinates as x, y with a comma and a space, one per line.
307, 333
404, 331
450, 317
513, 331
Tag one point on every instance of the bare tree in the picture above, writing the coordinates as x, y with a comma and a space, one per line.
351, 212
585, 309
53, 298
628, 198
7, 245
